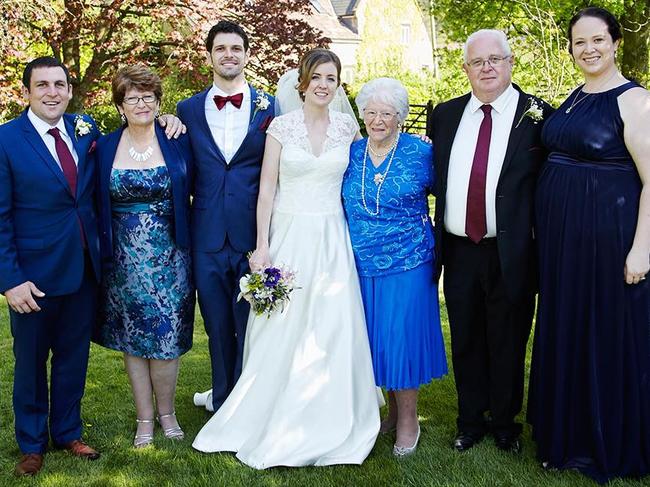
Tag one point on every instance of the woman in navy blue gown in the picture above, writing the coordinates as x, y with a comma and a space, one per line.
590, 380
385, 191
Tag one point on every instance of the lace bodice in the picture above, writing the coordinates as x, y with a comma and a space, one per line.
307, 183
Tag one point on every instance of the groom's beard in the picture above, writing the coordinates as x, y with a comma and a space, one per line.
229, 74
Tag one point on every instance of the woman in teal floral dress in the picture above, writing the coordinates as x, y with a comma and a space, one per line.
147, 302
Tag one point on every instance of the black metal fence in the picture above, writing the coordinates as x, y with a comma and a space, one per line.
416, 121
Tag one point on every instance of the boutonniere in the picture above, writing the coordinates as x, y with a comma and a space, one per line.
81, 126
532, 111
262, 102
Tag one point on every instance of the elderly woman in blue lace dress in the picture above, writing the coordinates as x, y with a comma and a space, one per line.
147, 302
385, 193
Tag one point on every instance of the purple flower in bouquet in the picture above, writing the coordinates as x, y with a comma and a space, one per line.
273, 276
267, 290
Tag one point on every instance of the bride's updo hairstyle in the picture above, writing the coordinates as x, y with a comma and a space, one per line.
308, 64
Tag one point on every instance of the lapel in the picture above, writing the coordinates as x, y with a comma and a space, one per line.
199, 114
169, 152
253, 123
35, 140
448, 134
107, 156
519, 125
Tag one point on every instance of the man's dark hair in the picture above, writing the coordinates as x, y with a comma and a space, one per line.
43, 62
227, 27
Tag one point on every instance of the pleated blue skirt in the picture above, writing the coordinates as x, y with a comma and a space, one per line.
403, 319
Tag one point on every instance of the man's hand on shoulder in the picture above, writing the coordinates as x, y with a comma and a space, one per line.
21, 297
173, 126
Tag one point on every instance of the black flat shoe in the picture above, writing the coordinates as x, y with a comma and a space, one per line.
465, 441
507, 443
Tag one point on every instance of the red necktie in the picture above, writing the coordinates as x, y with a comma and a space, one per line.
65, 158
221, 101
69, 169
475, 219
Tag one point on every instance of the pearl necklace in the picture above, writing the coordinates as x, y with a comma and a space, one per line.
377, 154
139, 156
379, 178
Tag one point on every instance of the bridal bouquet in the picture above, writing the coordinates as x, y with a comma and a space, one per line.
267, 290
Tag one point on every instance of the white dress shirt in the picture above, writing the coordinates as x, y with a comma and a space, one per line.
462, 157
229, 125
42, 127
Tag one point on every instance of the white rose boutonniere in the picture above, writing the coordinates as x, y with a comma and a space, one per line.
533, 111
81, 126
262, 102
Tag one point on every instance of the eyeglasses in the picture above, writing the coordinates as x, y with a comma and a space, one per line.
494, 61
385, 116
134, 100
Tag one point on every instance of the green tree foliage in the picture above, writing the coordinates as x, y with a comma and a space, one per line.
537, 31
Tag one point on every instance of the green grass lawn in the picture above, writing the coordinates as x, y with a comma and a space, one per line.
108, 415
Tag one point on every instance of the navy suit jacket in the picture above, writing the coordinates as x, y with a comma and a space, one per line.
224, 195
178, 159
39, 216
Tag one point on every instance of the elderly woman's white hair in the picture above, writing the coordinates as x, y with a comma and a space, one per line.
497, 34
388, 91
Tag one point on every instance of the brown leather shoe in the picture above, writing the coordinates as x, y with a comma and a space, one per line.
29, 464
79, 448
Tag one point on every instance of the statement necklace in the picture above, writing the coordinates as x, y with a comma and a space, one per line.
379, 177
139, 156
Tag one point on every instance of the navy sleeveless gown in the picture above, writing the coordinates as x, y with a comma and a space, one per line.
589, 400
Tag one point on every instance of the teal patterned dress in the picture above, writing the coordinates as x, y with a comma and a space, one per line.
147, 307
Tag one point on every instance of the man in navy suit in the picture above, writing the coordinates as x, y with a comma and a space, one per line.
49, 260
227, 126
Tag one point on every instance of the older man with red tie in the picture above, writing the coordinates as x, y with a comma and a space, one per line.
488, 155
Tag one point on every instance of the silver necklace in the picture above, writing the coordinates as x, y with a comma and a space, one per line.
379, 178
576, 101
139, 156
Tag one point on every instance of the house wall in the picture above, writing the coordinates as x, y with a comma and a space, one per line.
393, 36
347, 53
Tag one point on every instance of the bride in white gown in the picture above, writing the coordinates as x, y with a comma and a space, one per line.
306, 395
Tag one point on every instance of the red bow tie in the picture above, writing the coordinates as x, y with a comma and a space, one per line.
221, 101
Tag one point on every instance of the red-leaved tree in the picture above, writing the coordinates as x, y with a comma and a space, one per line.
94, 37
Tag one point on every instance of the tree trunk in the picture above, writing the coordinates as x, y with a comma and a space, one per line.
636, 33
71, 49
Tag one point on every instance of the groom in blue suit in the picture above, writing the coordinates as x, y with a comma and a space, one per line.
227, 126
49, 261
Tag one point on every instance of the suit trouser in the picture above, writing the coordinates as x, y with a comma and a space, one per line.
217, 277
489, 333
62, 327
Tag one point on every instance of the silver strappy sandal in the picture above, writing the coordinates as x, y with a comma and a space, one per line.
173, 433
144, 439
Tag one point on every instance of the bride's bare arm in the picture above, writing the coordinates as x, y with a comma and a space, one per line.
260, 258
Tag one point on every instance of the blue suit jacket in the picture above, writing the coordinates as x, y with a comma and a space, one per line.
39, 217
178, 159
225, 195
